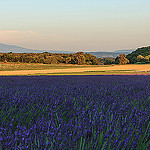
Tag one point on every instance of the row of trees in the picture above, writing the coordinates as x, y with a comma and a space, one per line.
49, 58
106, 61
141, 55
122, 60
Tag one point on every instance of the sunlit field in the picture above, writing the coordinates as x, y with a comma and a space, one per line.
13, 66
69, 69
75, 112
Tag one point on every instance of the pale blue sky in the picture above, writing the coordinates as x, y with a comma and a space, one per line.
87, 25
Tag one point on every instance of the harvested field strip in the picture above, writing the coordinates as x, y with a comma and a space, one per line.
34, 66
119, 68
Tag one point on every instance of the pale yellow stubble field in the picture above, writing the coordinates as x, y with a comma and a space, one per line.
71, 69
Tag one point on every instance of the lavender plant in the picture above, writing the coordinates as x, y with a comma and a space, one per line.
75, 112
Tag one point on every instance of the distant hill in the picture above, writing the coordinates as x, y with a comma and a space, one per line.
12, 48
16, 49
126, 52
104, 54
113, 54
144, 51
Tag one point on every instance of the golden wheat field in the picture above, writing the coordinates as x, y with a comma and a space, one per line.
64, 69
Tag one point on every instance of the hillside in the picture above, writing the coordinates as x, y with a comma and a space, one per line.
144, 51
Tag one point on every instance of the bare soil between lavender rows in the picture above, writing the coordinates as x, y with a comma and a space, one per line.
129, 69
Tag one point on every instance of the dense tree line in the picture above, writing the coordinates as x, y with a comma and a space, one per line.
121, 60
48, 58
106, 61
140, 55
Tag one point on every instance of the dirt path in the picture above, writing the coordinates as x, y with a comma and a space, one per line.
144, 67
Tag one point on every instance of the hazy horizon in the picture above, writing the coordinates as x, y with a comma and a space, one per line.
75, 25
13, 45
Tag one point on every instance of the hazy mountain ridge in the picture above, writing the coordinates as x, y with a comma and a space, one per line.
16, 49
111, 54
125, 51
13, 48
104, 54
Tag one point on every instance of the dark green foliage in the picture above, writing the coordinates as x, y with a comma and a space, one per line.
48, 58
144, 51
106, 61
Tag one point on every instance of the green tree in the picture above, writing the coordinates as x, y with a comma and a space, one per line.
140, 58
121, 59
147, 58
67, 60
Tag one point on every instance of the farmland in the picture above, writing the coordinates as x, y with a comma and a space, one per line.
69, 69
10, 66
75, 112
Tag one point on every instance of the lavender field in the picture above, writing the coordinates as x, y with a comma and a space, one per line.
75, 112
